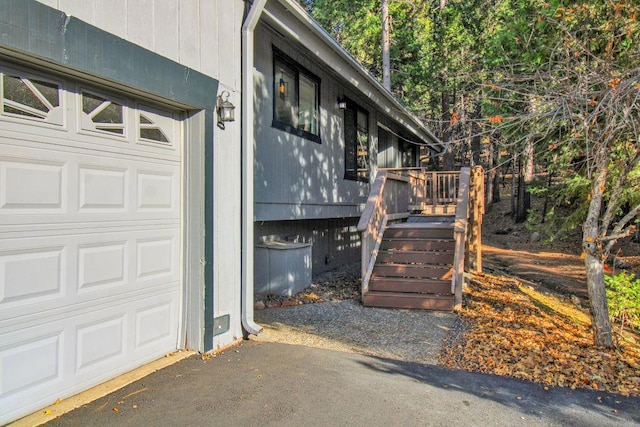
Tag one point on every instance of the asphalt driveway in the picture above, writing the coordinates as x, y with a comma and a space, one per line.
260, 383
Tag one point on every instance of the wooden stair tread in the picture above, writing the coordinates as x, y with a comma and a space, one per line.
403, 285
441, 224
416, 244
438, 272
408, 300
414, 257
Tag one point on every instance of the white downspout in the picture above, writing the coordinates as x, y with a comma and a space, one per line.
247, 166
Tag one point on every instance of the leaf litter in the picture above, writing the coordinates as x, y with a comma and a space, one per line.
510, 329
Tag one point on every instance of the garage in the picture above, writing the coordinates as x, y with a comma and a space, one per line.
90, 235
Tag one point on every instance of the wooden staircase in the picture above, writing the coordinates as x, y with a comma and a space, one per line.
420, 232
414, 266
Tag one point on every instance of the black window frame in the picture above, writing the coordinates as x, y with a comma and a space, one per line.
352, 173
280, 56
404, 146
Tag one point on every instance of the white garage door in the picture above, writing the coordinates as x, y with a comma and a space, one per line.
90, 237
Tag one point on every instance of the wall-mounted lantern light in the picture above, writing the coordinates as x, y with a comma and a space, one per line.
342, 103
225, 109
282, 88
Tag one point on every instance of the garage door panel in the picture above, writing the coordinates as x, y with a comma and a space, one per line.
154, 324
155, 258
103, 265
31, 363
157, 191
103, 188
85, 267
52, 187
29, 185
100, 341
32, 275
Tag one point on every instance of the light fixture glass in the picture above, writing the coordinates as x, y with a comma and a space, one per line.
225, 109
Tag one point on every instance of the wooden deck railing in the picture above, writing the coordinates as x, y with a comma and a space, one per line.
430, 188
460, 235
388, 201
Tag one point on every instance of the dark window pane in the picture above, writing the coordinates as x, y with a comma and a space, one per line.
144, 120
349, 143
308, 105
49, 91
111, 114
12, 110
15, 90
106, 115
363, 144
153, 134
91, 102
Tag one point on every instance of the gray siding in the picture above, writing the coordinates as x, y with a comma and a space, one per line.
335, 242
296, 178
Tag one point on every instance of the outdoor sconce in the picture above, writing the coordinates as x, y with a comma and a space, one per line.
342, 104
225, 109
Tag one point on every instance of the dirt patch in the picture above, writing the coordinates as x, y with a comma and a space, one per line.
509, 248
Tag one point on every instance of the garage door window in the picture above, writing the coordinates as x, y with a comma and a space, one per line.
156, 127
104, 115
30, 98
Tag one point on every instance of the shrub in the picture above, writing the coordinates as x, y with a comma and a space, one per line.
623, 295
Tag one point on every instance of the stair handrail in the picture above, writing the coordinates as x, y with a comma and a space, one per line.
385, 202
460, 234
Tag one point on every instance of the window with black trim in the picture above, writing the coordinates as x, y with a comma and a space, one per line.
408, 153
296, 100
356, 142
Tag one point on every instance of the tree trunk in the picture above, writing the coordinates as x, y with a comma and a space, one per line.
495, 194
545, 207
386, 46
523, 197
489, 179
528, 167
598, 305
514, 189
447, 159
476, 139
594, 258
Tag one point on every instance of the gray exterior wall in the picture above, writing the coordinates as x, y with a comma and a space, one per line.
335, 241
297, 178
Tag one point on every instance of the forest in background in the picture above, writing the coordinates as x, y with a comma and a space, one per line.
546, 91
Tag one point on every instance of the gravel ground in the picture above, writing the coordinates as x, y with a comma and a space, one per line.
345, 325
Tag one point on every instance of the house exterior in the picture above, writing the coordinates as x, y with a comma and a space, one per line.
127, 212
323, 126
